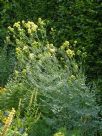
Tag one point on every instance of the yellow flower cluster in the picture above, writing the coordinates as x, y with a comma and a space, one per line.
10, 117
17, 24
65, 44
70, 53
31, 26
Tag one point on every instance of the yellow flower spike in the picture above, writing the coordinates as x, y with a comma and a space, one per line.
8, 122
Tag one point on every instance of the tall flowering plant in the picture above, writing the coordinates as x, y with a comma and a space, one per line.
62, 98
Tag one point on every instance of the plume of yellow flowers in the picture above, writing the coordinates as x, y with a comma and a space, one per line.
31, 26
8, 122
70, 53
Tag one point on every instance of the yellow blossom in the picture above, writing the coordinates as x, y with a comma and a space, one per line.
70, 53
29, 31
34, 27
17, 24
31, 26
27, 25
